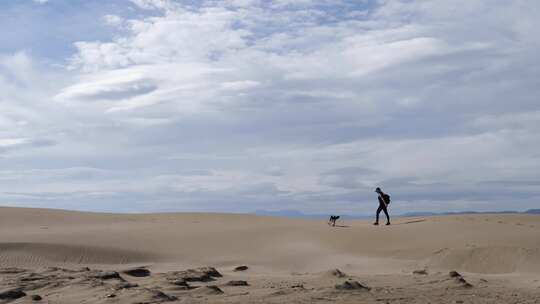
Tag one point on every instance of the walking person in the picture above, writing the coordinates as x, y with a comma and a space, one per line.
384, 200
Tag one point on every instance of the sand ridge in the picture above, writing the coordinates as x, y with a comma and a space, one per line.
281, 253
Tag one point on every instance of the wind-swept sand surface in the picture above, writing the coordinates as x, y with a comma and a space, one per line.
73, 257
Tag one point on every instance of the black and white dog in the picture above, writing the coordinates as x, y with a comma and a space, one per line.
333, 219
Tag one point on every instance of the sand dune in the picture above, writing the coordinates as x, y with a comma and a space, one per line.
42, 254
477, 245
474, 243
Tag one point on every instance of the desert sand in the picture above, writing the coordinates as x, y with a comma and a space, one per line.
54, 256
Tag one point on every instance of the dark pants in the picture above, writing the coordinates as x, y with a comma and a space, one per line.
382, 207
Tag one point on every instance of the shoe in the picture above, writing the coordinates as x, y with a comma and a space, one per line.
388, 224
375, 223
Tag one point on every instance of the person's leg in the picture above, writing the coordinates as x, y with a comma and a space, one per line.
377, 215
387, 216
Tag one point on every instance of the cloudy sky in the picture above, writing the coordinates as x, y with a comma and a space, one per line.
244, 105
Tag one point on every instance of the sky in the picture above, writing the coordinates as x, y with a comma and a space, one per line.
244, 105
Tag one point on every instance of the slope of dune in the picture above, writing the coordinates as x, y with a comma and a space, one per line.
281, 253
474, 243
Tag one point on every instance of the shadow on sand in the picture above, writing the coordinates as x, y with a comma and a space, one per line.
410, 222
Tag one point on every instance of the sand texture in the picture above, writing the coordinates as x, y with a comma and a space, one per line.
53, 256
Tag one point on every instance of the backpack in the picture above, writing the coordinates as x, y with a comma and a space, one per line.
386, 198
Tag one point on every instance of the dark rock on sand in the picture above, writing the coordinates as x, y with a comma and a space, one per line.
160, 296
11, 294
209, 290
463, 283
125, 285
420, 272
137, 272
106, 275
203, 274
237, 283
151, 296
210, 271
241, 268
181, 283
337, 273
36, 298
454, 274
352, 285
459, 279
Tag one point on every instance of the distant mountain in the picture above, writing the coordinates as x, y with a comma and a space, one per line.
420, 213
299, 214
479, 212
415, 214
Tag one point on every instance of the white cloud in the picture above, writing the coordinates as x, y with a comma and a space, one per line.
307, 104
153, 4
113, 20
11, 142
114, 85
239, 85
